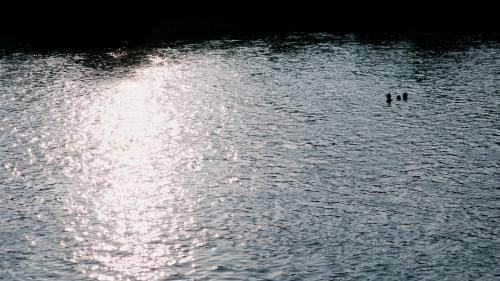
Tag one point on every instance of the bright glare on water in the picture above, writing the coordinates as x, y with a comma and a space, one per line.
256, 159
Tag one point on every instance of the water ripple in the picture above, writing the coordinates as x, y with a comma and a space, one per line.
265, 159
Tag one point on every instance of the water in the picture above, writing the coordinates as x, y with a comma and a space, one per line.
256, 159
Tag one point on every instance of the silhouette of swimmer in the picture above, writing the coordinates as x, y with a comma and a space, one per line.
398, 97
405, 96
389, 98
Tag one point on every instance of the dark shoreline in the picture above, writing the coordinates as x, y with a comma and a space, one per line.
150, 24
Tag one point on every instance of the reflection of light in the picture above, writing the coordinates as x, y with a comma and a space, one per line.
129, 154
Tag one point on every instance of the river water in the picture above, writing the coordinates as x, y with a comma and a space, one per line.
273, 158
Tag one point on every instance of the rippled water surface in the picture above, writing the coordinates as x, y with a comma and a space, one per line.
257, 159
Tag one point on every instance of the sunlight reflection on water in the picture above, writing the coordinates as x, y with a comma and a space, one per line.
129, 155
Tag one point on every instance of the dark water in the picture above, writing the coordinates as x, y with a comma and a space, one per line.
258, 159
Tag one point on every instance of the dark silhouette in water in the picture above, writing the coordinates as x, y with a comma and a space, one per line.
405, 96
398, 97
389, 98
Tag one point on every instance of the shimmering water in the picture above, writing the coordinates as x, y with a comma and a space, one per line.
258, 159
